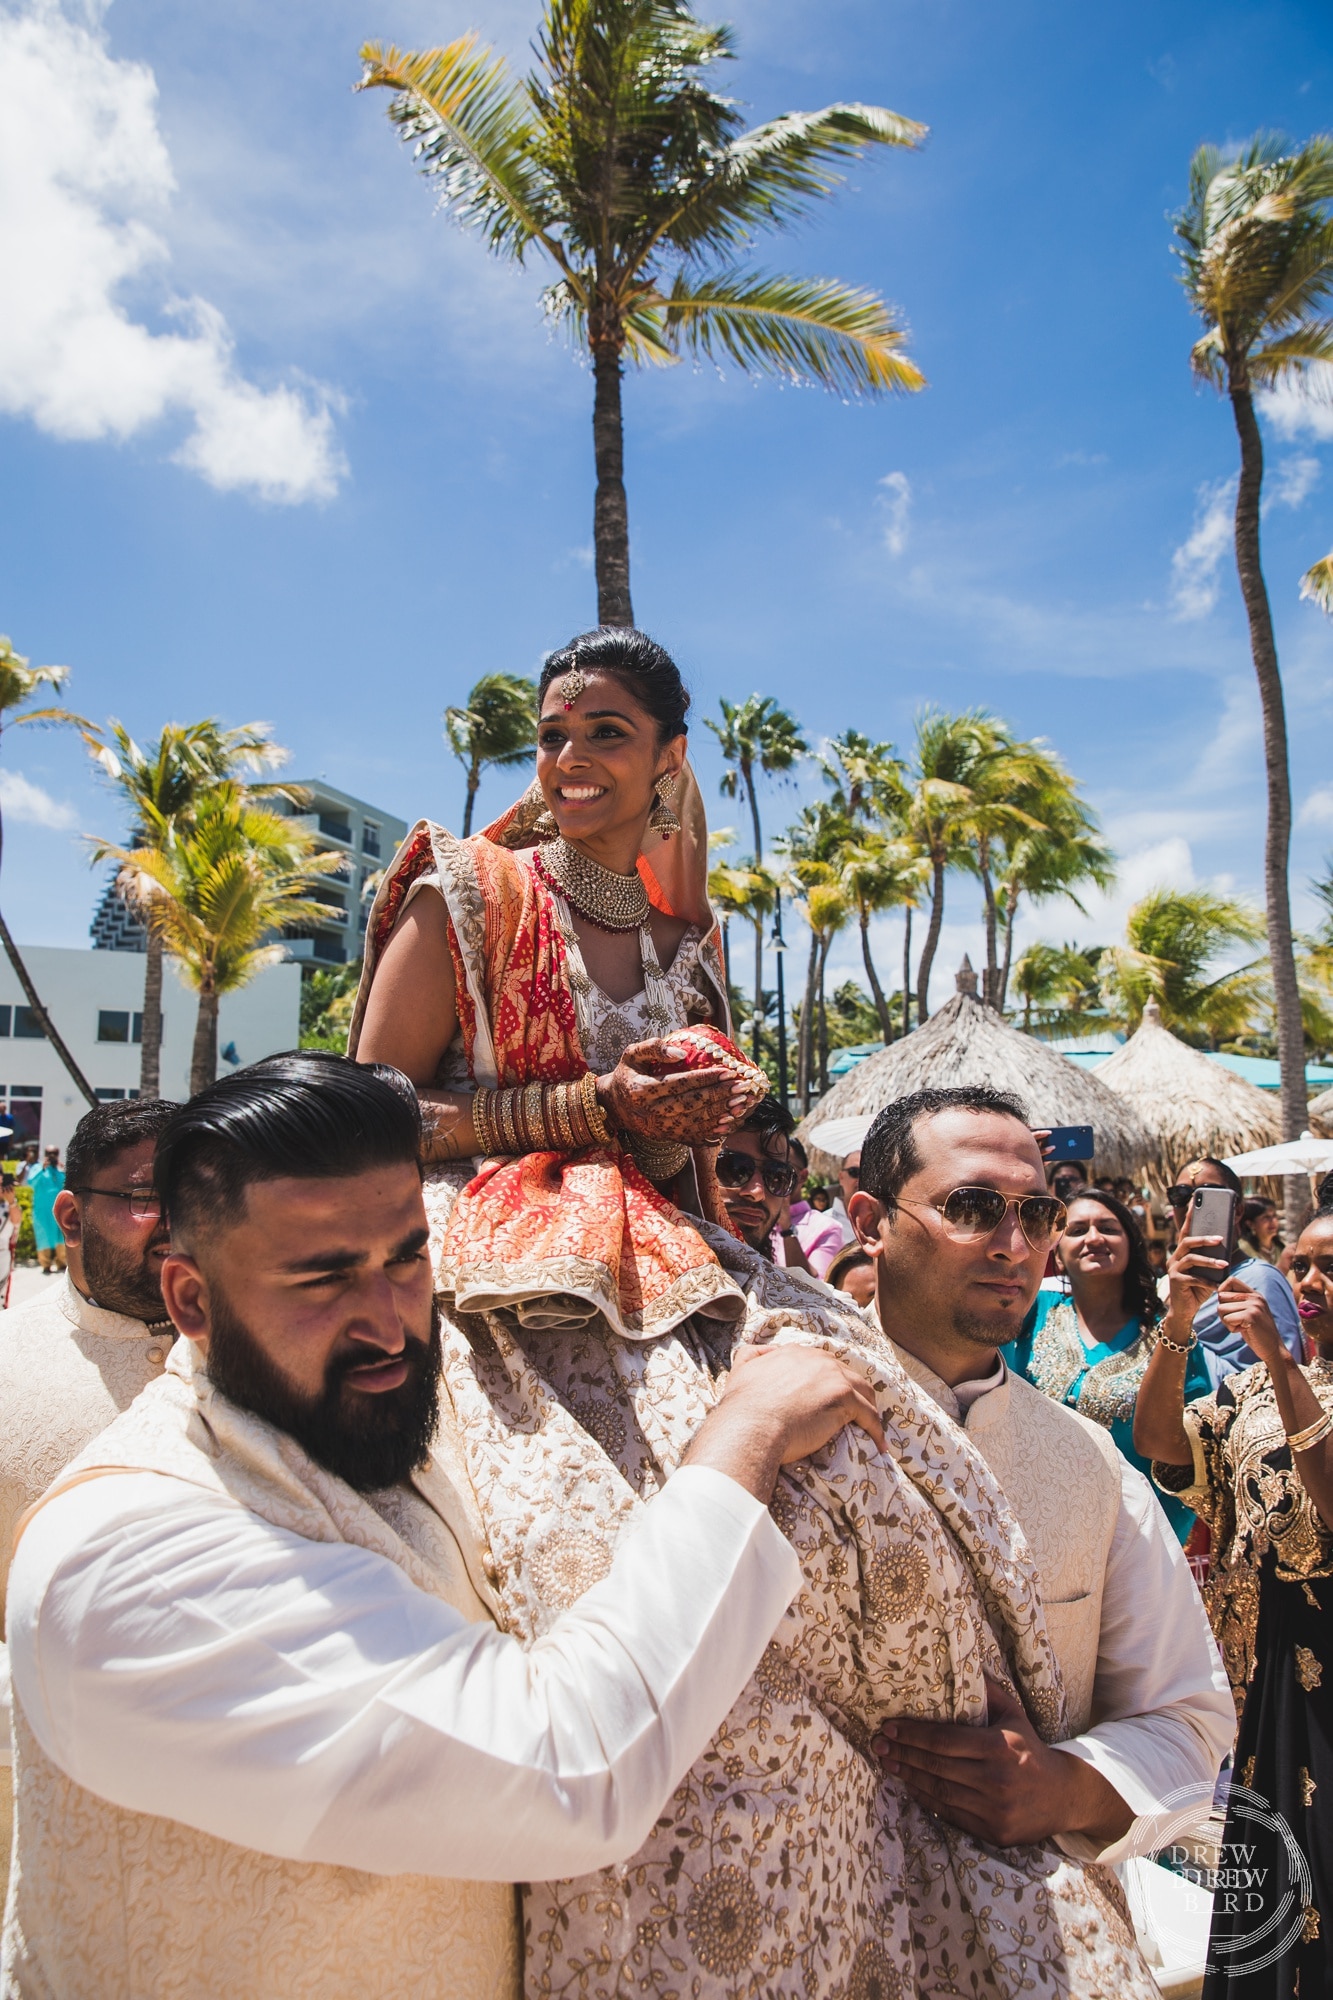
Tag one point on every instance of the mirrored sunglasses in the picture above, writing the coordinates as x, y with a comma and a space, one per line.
737, 1170
973, 1213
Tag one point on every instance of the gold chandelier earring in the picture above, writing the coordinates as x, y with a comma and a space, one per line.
661, 819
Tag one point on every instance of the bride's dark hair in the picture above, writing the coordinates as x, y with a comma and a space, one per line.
652, 674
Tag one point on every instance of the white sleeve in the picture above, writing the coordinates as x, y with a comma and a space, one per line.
180, 1656
1163, 1717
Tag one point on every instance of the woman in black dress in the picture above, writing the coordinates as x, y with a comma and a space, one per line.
1255, 1460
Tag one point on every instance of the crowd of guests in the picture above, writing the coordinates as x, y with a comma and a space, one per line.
469, 1527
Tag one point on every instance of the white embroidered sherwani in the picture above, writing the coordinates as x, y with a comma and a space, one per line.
786, 1866
1148, 1701
262, 1720
67, 1367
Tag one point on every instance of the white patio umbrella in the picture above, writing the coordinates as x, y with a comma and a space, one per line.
1306, 1155
841, 1136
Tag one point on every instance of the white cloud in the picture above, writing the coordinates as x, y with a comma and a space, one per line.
1195, 564
1317, 809
27, 802
1295, 412
896, 502
1294, 481
82, 169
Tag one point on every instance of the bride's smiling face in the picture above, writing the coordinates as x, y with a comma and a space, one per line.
598, 762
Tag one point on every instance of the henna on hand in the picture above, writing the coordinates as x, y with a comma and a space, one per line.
692, 1106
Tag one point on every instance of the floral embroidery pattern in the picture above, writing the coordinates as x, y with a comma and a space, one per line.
723, 1921
1309, 1671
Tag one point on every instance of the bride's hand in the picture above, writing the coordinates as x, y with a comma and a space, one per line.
696, 1107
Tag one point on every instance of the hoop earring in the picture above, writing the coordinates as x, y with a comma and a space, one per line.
661, 819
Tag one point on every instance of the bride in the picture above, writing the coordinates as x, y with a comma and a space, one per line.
553, 988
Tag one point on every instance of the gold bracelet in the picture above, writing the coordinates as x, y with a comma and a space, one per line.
1312, 1435
482, 1128
1178, 1346
592, 1110
539, 1132
557, 1116
575, 1113
504, 1113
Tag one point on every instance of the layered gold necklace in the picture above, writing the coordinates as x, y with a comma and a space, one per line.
612, 902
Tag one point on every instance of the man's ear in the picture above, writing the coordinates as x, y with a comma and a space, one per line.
67, 1215
866, 1213
185, 1295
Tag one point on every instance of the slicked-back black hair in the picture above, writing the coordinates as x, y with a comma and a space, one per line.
647, 669
109, 1128
311, 1115
889, 1156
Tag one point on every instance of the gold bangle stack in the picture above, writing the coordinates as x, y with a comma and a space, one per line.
1312, 1435
1178, 1346
540, 1118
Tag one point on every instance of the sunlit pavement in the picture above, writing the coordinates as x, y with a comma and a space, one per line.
28, 1282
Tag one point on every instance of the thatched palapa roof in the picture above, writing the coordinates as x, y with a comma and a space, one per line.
969, 1042
1321, 1114
1194, 1108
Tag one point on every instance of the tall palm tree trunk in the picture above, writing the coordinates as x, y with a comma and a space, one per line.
1277, 845
1010, 912
204, 1056
825, 947
757, 1024
610, 518
907, 972
928, 949
881, 1004
806, 1044
990, 985
44, 1020
150, 1054
473, 782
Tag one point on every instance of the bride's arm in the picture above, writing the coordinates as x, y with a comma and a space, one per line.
412, 1017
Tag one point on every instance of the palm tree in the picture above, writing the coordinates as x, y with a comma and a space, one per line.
498, 726
1256, 246
940, 804
1062, 982
813, 847
1059, 855
748, 890
162, 787
1173, 938
19, 682
1317, 583
755, 735
880, 874
222, 880
643, 189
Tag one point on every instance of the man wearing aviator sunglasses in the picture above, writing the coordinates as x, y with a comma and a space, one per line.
954, 1210
758, 1175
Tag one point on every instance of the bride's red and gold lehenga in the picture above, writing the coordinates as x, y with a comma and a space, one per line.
587, 1324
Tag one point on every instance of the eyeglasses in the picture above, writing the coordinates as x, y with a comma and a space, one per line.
971, 1214
143, 1202
737, 1170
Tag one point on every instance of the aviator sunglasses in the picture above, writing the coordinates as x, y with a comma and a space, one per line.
973, 1213
737, 1170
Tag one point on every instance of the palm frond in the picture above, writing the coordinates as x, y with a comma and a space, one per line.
812, 330
1317, 583
466, 119
774, 173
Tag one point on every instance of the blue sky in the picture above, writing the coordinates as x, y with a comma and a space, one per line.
281, 442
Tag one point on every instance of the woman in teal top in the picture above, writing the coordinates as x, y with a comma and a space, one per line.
1088, 1347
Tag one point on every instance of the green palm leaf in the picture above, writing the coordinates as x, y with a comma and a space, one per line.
812, 330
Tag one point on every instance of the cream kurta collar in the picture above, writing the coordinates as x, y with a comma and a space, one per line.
91, 1318
990, 1407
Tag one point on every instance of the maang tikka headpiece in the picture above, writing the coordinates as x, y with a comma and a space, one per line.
573, 684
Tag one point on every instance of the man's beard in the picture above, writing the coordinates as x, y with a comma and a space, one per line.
370, 1440
986, 1330
123, 1285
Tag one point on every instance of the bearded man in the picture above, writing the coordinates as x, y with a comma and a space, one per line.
263, 1719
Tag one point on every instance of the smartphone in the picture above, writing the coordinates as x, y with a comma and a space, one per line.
1069, 1142
1214, 1211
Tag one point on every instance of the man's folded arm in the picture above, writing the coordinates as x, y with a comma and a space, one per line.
180, 1656
1163, 1714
